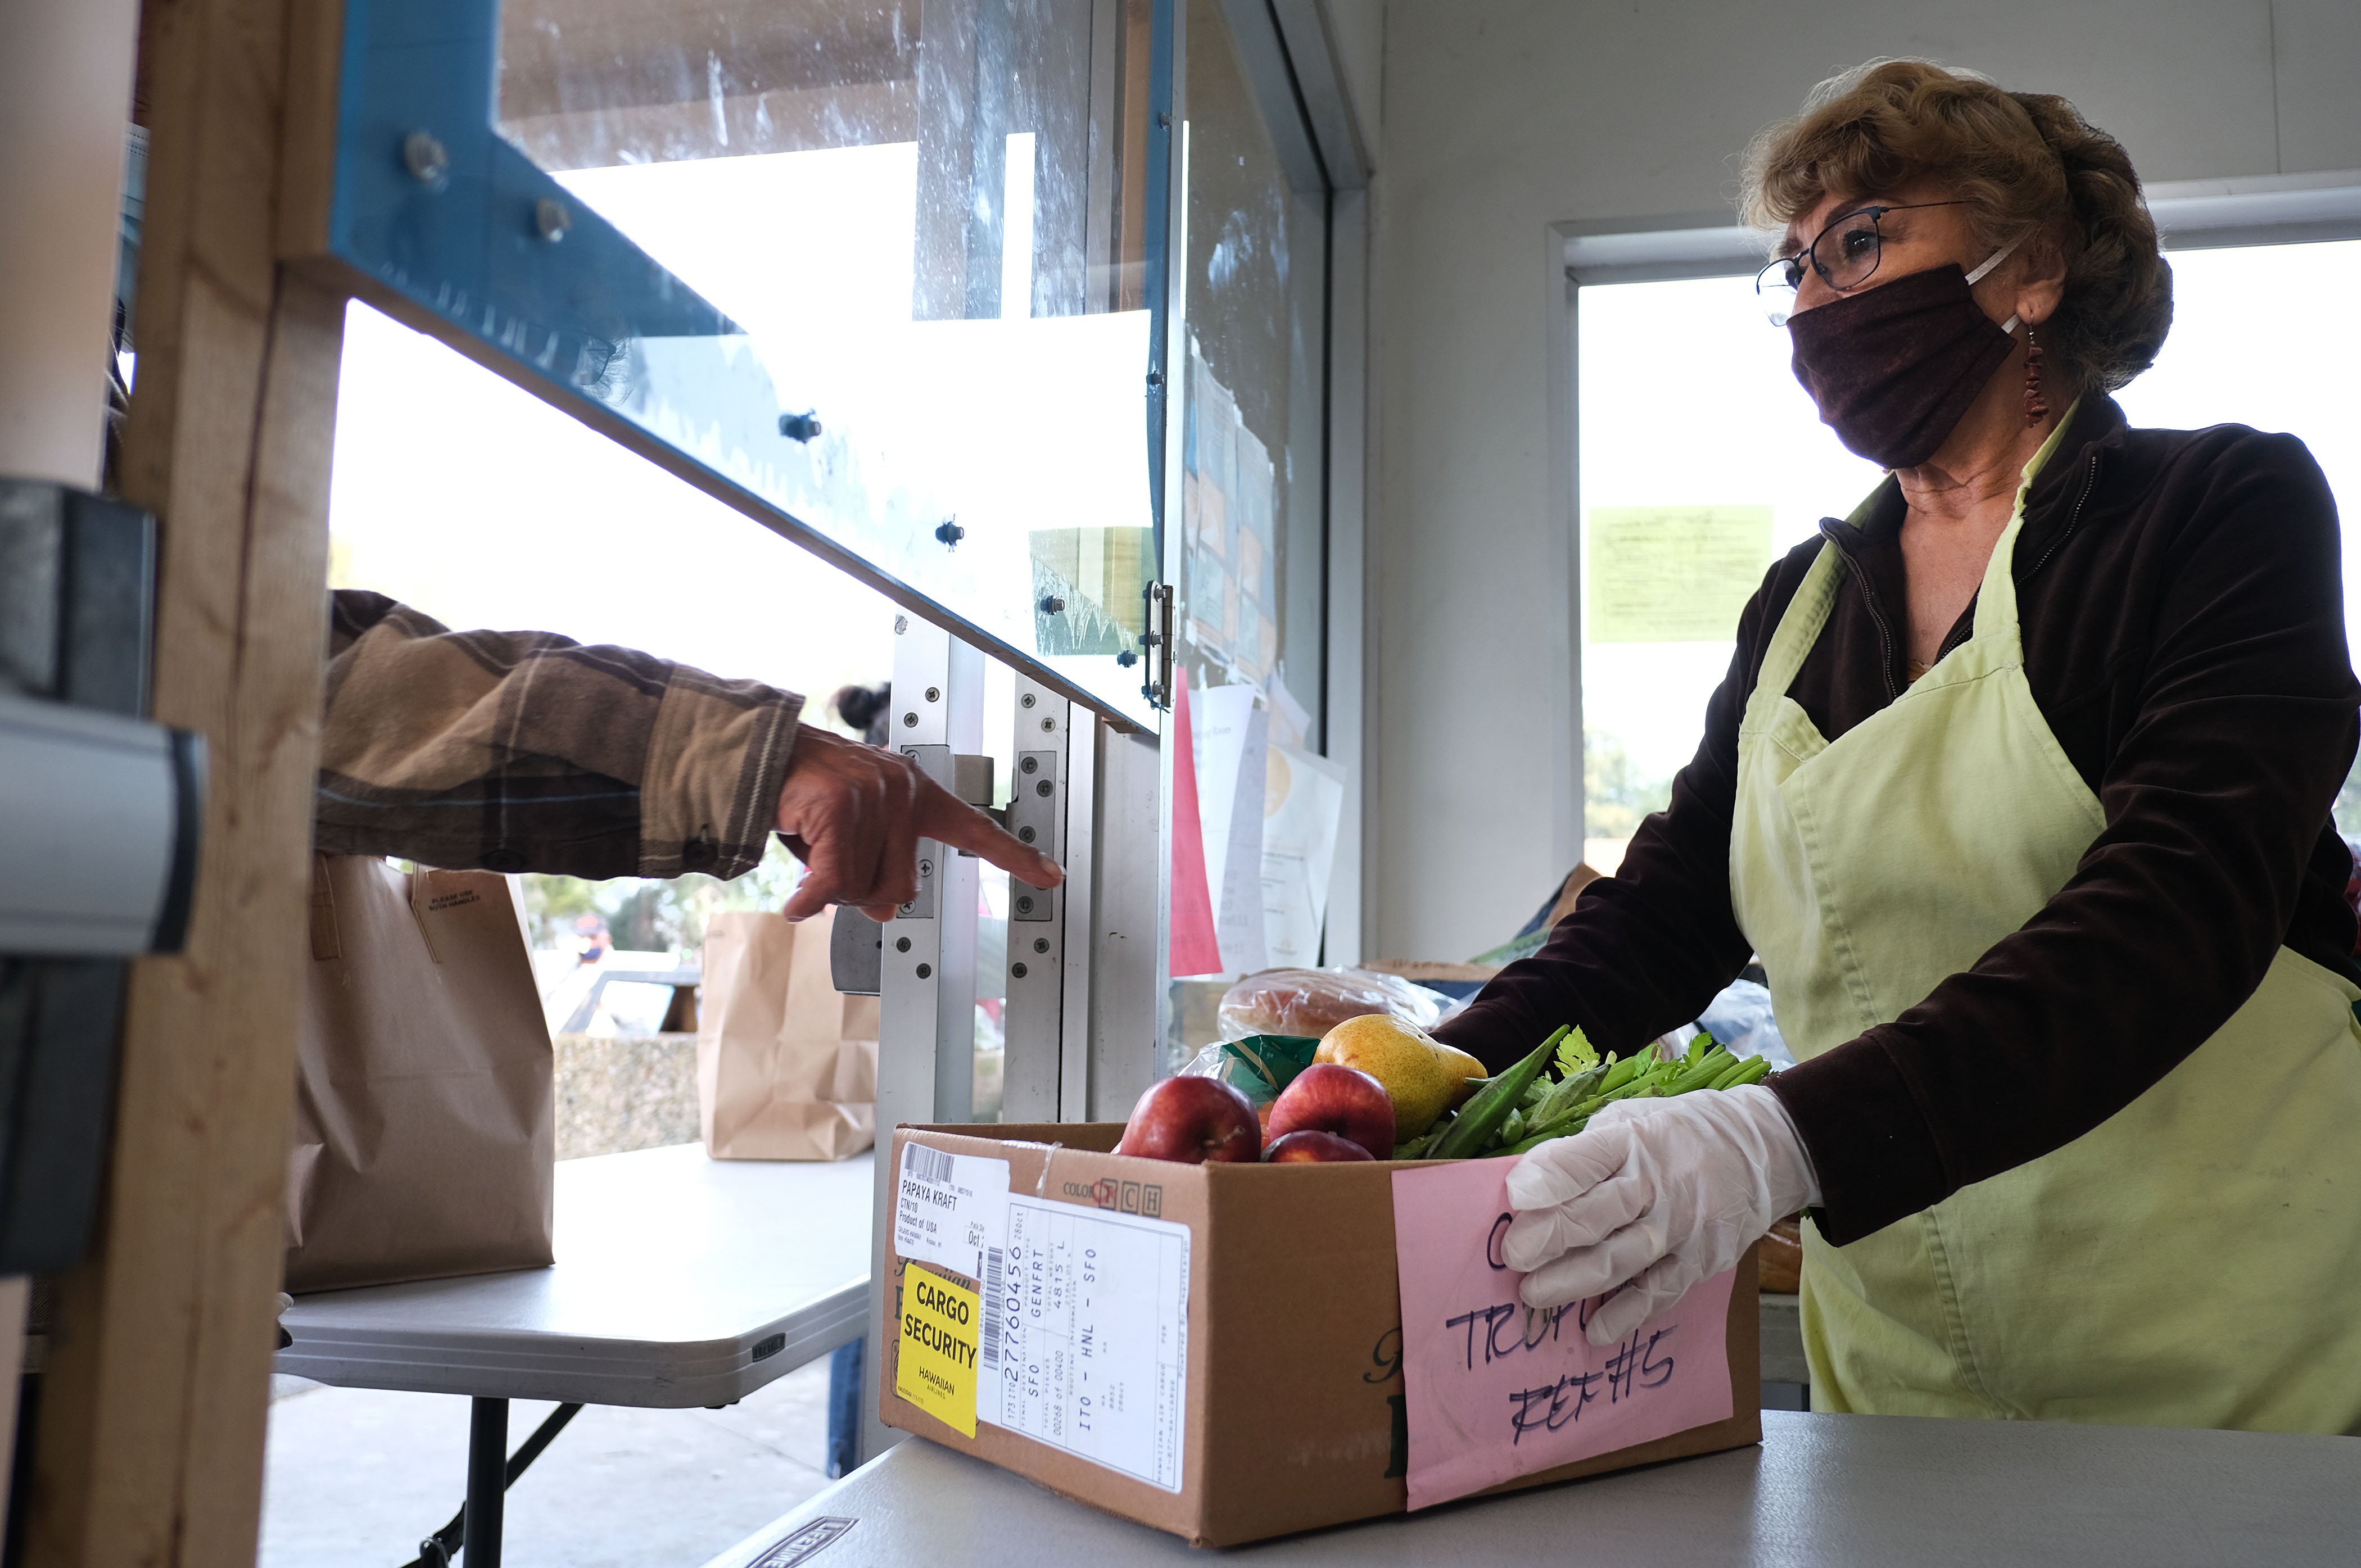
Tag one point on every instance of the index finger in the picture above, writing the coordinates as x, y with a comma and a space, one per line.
950, 820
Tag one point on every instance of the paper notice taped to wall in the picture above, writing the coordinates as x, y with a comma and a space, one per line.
1673, 573
1230, 737
1303, 801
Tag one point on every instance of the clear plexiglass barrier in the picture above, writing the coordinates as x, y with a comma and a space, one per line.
884, 276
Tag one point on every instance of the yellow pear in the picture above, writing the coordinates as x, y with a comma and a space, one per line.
1423, 1075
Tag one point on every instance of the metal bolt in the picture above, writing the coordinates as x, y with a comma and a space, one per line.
934, 694
1026, 835
1050, 726
802, 427
1024, 905
1156, 378
901, 624
902, 944
1026, 700
909, 722
551, 219
1031, 764
1045, 788
926, 870
925, 970
1052, 605
1017, 970
1040, 944
427, 159
949, 531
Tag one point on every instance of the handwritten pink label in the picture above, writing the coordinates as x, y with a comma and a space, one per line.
1497, 1389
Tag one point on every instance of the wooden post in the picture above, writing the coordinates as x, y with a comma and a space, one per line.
151, 1431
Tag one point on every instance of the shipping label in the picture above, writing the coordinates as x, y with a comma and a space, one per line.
935, 1366
1085, 1342
948, 1209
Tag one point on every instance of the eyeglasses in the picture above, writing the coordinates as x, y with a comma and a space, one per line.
1856, 244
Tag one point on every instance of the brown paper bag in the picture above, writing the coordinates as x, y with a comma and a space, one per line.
425, 1123
786, 1067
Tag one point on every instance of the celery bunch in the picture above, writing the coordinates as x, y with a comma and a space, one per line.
1525, 1107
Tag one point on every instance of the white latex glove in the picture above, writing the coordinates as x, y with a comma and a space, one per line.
1655, 1196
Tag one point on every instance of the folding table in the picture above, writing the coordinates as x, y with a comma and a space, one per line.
680, 1281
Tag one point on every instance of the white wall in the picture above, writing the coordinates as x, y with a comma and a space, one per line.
1500, 118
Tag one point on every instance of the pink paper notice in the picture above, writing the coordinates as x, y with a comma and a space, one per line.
1497, 1390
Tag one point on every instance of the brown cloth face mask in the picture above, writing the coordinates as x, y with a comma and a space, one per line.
1893, 368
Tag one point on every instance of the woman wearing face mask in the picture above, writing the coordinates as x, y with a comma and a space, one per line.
2019, 785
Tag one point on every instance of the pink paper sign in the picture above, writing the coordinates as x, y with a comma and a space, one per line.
1497, 1389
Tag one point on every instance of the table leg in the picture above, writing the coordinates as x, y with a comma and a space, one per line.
487, 1464
844, 1374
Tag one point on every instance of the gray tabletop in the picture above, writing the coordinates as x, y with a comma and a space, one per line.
1824, 1491
679, 1281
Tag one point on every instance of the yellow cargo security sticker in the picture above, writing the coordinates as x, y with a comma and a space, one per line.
934, 1369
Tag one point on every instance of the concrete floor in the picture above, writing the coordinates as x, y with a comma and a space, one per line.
358, 1477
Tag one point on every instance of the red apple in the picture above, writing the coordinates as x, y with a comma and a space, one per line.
1193, 1120
1329, 1097
1312, 1145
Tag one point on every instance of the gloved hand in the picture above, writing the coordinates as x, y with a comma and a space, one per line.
1653, 1195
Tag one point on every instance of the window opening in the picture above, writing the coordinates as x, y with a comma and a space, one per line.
1251, 562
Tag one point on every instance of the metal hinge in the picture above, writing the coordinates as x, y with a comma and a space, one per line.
1157, 640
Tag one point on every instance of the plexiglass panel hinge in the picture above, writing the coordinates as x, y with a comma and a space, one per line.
1157, 640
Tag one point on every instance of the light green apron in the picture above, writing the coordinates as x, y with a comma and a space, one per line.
2193, 1261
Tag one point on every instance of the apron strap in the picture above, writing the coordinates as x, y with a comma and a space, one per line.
1799, 628
1996, 622
1996, 625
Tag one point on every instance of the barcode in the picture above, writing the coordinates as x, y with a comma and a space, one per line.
927, 1164
992, 1269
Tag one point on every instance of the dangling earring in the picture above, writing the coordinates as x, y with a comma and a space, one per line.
2037, 407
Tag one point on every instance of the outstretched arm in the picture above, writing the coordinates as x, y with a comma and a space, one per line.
514, 752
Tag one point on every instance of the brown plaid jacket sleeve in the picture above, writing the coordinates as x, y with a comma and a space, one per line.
520, 751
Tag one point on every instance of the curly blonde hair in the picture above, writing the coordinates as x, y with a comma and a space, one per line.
2027, 164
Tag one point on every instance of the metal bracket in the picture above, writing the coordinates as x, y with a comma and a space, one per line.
1035, 815
1044, 1033
936, 763
1158, 638
972, 782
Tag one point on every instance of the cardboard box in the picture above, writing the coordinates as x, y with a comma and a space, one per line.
1293, 1410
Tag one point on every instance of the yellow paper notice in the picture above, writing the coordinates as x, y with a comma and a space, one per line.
1674, 574
934, 1369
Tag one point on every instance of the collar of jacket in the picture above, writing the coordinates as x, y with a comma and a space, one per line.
2049, 505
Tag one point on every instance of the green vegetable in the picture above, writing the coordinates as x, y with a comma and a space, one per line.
1750, 1069
1701, 1073
1536, 1140
1575, 1055
1518, 1109
1568, 1093
1482, 1116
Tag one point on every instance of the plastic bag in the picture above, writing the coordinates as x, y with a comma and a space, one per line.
1258, 1067
1741, 1019
1307, 1003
